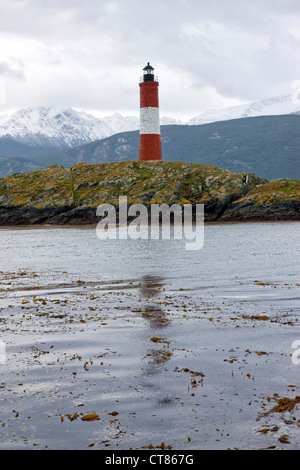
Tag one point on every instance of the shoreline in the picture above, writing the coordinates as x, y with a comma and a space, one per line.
93, 226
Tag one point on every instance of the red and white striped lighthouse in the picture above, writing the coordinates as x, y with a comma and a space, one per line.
150, 141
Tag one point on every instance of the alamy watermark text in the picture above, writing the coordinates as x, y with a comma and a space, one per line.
185, 222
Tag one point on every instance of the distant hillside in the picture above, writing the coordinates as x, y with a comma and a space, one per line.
268, 146
13, 147
10, 165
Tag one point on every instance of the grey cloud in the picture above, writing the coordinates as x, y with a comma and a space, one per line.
244, 50
12, 68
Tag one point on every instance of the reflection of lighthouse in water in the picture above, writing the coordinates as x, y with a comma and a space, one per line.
158, 349
150, 140
151, 286
158, 319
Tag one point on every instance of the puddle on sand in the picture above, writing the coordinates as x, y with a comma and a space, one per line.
131, 363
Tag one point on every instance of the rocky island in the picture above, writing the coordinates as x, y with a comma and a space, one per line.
70, 196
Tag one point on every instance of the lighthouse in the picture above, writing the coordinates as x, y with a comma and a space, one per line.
150, 141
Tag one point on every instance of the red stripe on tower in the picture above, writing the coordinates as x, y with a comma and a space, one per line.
150, 141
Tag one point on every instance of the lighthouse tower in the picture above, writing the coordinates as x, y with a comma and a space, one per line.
150, 141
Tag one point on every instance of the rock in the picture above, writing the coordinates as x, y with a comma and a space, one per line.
70, 196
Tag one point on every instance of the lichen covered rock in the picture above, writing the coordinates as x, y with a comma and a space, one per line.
71, 195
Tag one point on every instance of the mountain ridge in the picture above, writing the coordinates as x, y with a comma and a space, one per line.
59, 128
267, 146
41, 135
279, 105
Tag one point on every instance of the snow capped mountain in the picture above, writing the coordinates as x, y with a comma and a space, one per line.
167, 121
267, 107
47, 129
65, 126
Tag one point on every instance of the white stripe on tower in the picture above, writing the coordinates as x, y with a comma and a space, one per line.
149, 121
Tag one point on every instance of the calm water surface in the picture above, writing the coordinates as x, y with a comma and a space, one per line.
191, 349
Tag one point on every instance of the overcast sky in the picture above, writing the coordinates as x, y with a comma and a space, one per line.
89, 54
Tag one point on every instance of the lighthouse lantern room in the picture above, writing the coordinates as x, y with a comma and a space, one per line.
148, 73
150, 140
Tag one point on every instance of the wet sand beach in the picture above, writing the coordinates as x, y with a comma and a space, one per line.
141, 344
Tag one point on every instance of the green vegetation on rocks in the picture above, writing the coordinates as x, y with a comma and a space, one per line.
41, 196
141, 182
274, 199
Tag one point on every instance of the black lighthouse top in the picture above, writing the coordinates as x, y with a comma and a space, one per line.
148, 73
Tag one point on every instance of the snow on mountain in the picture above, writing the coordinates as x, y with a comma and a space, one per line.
62, 125
167, 121
267, 107
118, 123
